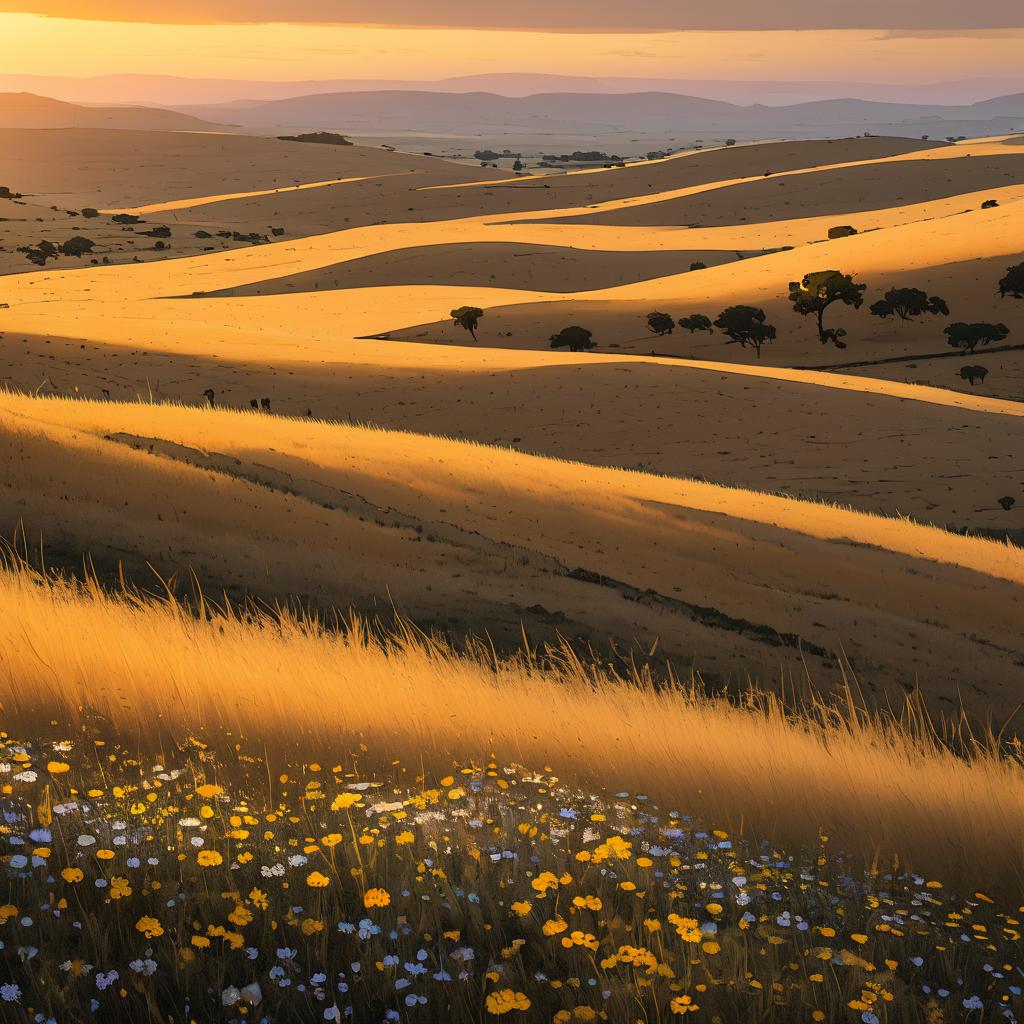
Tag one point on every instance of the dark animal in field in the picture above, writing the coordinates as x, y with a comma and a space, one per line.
265, 404
210, 396
254, 403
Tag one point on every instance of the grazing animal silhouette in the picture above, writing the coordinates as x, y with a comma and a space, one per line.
254, 403
265, 404
973, 373
209, 395
106, 393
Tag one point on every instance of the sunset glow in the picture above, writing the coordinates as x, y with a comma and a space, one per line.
31, 44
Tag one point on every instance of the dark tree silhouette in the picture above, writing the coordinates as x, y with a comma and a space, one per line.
575, 339
842, 231
973, 373
817, 291
745, 325
698, 266
1013, 283
660, 323
468, 318
970, 336
77, 246
697, 322
908, 303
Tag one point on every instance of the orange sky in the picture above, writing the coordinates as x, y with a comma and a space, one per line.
31, 44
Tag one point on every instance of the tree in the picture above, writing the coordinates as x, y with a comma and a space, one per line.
698, 266
817, 291
908, 303
517, 166
745, 325
575, 339
973, 373
970, 336
1013, 283
842, 231
468, 318
660, 323
77, 246
697, 322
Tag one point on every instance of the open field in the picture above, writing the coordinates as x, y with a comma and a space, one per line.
779, 595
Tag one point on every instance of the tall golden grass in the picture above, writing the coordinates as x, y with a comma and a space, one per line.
881, 786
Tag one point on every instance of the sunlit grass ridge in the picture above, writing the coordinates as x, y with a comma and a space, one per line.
157, 673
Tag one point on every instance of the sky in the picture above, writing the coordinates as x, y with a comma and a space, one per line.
666, 39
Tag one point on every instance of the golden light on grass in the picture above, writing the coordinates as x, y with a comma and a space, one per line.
158, 674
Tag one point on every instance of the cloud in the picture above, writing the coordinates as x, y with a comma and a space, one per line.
1008, 32
557, 15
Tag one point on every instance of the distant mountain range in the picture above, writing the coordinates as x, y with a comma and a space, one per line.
167, 90
25, 110
630, 122
649, 113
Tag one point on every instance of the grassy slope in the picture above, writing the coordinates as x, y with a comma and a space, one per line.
342, 515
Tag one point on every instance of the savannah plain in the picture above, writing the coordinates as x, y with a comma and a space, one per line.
681, 670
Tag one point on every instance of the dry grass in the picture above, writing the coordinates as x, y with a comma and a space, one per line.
155, 671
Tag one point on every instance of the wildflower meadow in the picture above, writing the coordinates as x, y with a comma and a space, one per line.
209, 886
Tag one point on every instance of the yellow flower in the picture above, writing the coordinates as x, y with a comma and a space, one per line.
240, 916
57, 767
72, 875
209, 859
376, 898
331, 840
859, 939
105, 854
344, 800
544, 881
311, 926
613, 848
150, 927
506, 1000
404, 838
554, 926
258, 899
587, 902
315, 880
200, 942
208, 791
711, 948
683, 1004
119, 887
579, 938
522, 907
686, 927
7, 911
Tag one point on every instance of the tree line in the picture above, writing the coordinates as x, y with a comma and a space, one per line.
813, 296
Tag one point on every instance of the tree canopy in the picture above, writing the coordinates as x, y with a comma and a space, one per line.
468, 318
575, 339
817, 291
1013, 283
745, 326
696, 322
908, 303
660, 323
970, 336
